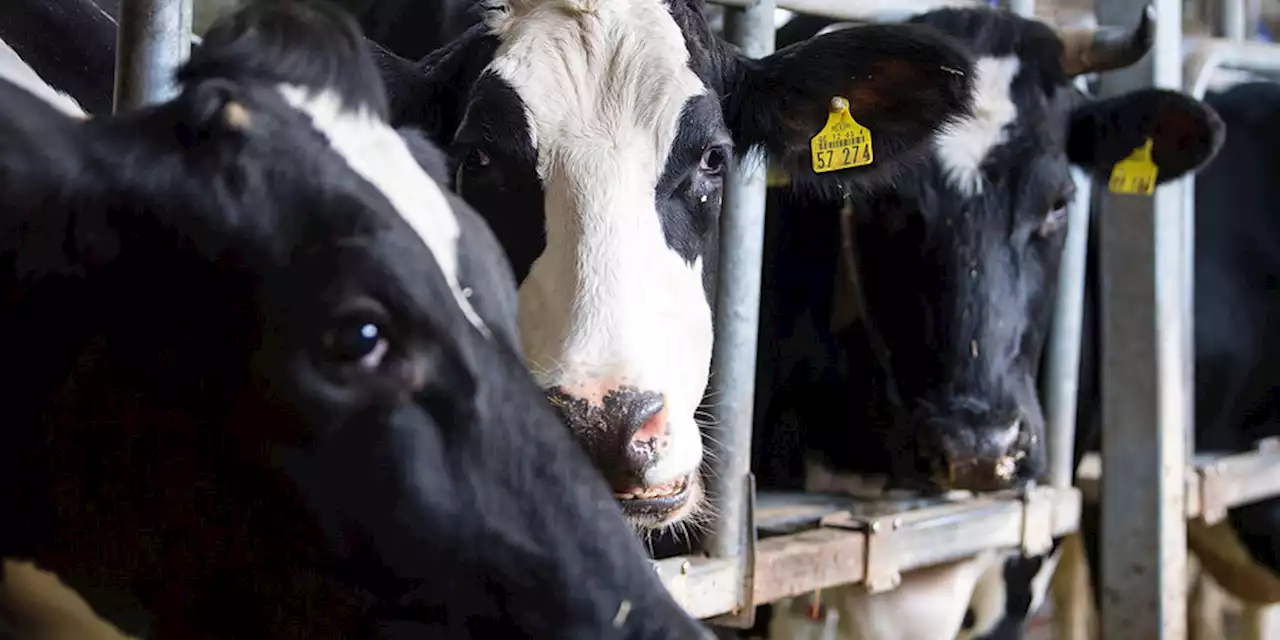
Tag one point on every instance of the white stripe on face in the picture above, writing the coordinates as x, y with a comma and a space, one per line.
609, 303
378, 154
965, 144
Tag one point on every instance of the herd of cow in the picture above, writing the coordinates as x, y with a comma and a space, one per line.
295, 350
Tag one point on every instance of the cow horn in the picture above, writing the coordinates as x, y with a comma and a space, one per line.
1107, 48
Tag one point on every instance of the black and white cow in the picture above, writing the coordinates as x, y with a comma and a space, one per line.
921, 370
594, 138
266, 379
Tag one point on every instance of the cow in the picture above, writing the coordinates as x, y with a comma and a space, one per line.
905, 327
267, 379
594, 138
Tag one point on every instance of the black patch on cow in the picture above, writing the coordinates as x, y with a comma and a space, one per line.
495, 170
688, 198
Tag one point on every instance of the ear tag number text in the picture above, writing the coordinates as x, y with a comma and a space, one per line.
1135, 174
842, 143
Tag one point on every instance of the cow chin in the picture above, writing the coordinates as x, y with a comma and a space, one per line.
672, 493
663, 506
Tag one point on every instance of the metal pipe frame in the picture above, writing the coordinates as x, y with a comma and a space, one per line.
891, 10
1145, 373
737, 328
1232, 19
153, 38
1062, 358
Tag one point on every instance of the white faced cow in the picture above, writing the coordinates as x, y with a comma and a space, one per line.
594, 137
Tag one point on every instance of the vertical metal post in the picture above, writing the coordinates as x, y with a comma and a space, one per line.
1025, 8
738, 312
1232, 17
1062, 364
153, 38
1144, 375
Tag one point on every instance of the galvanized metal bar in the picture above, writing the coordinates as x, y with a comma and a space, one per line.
1144, 374
880, 10
848, 549
1232, 19
1062, 359
1025, 8
737, 315
153, 38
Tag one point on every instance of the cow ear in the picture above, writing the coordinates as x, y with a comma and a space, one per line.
902, 82
1185, 133
425, 94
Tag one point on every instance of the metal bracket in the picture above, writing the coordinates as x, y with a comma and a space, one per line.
1214, 494
1037, 521
744, 617
881, 568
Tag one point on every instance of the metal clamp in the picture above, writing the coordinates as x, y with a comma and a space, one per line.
881, 566
1037, 521
1214, 494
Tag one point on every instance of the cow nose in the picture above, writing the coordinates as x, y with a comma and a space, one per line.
623, 429
978, 457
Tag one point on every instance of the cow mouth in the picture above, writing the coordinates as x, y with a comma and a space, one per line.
654, 502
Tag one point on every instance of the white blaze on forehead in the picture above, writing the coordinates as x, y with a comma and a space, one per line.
378, 154
963, 145
604, 84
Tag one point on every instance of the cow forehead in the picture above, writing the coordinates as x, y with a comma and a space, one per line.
590, 73
379, 155
965, 144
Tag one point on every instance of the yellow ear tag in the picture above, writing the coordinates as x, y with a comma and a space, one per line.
842, 143
1135, 174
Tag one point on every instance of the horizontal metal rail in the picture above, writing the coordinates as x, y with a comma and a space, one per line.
1215, 482
839, 547
1210, 54
885, 10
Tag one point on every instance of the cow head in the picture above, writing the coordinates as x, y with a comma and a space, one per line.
956, 269
268, 365
594, 137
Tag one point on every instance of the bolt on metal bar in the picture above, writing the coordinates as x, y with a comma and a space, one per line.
1145, 375
738, 313
153, 38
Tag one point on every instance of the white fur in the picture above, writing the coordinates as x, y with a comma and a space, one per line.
14, 69
608, 303
378, 154
963, 145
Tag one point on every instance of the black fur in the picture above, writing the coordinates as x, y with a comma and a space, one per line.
183, 429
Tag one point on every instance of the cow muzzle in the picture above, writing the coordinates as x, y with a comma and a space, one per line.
984, 458
627, 432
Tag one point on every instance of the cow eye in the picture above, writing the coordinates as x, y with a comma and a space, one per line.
713, 161
357, 340
476, 160
1055, 219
